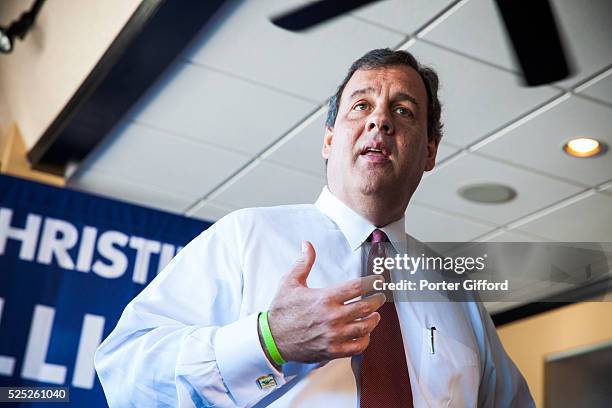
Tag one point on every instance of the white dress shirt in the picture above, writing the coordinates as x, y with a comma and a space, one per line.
190, 339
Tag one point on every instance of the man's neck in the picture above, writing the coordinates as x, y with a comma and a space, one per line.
380, 211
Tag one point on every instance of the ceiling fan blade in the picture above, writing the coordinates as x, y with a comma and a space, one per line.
537, 43
315, 13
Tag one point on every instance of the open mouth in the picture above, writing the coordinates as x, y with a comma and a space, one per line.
375, 154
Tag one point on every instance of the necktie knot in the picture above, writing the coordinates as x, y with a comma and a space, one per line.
377, 236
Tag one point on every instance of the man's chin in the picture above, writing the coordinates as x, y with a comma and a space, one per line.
376, 187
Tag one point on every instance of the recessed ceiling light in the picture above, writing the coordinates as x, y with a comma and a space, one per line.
487, 193
584, 147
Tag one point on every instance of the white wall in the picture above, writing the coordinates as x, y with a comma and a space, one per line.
38, 78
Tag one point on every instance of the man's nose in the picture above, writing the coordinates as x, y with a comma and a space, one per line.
379, 121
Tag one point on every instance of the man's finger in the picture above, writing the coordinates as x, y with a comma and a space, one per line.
364, 307
355, 288
356, 346
304, 263
362, 327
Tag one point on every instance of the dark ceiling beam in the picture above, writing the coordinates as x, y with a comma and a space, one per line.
593, 292
154, 36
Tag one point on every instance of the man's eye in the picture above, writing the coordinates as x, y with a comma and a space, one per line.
360, 106
403, 111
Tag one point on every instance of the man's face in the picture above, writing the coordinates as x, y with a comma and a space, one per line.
379, 143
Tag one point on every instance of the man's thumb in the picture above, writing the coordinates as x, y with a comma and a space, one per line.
304, 263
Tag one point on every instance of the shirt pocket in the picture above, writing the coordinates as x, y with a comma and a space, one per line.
450, 376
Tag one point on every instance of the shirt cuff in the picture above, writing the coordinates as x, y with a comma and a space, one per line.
242, 361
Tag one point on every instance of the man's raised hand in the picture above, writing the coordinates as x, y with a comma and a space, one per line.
317, 324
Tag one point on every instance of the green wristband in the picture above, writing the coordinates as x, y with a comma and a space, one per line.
269, 343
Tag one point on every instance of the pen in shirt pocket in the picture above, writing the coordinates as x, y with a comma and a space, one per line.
433, 347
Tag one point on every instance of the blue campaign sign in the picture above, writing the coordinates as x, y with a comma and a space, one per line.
69, 264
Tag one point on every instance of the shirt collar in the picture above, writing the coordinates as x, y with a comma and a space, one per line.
355, 228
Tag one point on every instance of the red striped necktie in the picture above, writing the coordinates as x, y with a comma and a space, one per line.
384, 376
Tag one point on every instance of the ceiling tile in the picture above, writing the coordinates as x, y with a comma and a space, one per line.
445, 150
211, 211
534, 191
405, 16
601, 89
477, 98
485, 40
584, 26
268, 184
152, 158
538, 142
586, 30
302, 150
430, 225
212, 107
311, 64
587, 220
513, 236
109, 185
607, 188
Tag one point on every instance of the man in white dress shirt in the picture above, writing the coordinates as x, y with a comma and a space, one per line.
235, 320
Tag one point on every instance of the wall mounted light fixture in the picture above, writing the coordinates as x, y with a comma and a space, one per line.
18, 28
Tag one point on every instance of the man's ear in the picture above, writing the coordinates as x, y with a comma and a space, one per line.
327, 141
432, 150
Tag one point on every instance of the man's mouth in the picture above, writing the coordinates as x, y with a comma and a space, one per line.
377, 154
